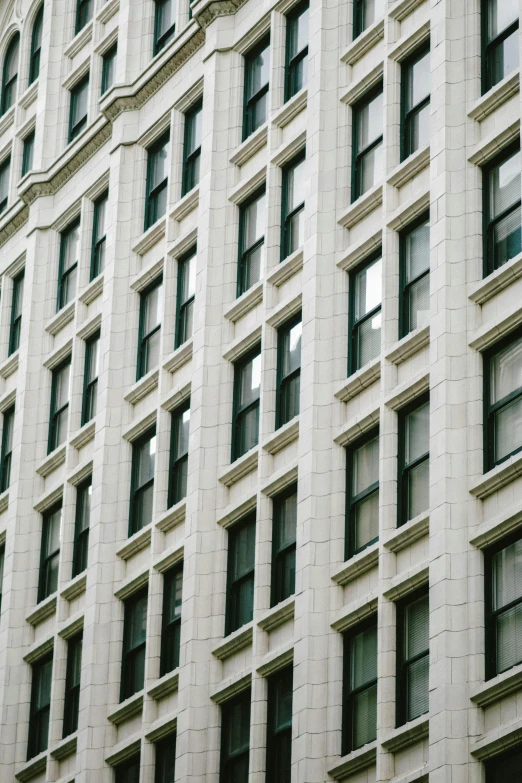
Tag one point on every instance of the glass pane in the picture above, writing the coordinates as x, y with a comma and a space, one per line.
417, 433
248, 435
238, 725
366, 520
418, 688
76, 663
109, 68
253, 266
249, 382
84, 508
37, 32
501, 13
504, 185
61, 388
295, 232
187, 326
299, 34
417, 251
158, 166
292, 349
418, 489
259, 112
506, 371
369, 340
365, 466
51, 581
419, 303
369, 123
419, 128
4, 181
79, 104
368, 289
182, 433
137, 623
371, 11
93, 360
504, 58
417, 638
166, 16
363, 658
52, 533
243, 551
143, 509
418, 81
43, 685
259, 71
194, 132
11, 61
365, 717
152, 309
188, 272
60, 428
507, 238
70, 246
28, 155
286, 521
18, 297
146, 459
2, 558
175, 588
507, 575
151, 352
509, 638
245, 602
290, 398
100, 217
7, 437
371, 168
254, 222
283, 702
295, 186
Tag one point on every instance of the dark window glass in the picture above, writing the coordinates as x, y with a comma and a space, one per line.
366, 12
415, 278
502, 212
5, 170
503, 402
247, 383
241, 562
503, 579
413, 658
128, 771
28, 154
185, 298
40, 707
257, 75
79, 107
36, 46
157, 181
284, 544
252, 225
50, 553
71, 705
292, 223
360, 687
109, 68
10, 74
296, 50
16, 312
143, 461
165, 760
90, 380
179, 454
288, 371
84, 9
235, 739
68, 269
192, 148
415, 79
151, 315
365, 313
99, 235
414, 460
164, 23
7, 448
362, 494
81, 528
500, 35
134, 641
279, 726
368, 150
59, 405
171, 633
2, 561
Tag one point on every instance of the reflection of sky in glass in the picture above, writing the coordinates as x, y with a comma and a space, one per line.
369, 292
502, 13
420, 87
295, 336
256, 372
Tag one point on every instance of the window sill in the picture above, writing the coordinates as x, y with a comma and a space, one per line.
283, 437
497, 478
277, 659
127, 709
4, 501
355, 762
65, 748
147, 276
132, 585
409, 211
287, 268
278, 615
495, 689
501, 278
291, 109
45, 609
409, 345
497, 741
123, 751
495, 97
165, 685
491, 333
231, 687
168, 559
61, 319
363, 85
406, 583
139, 541
185, 205
248, 148
289, 150
151, 236
407, 735
407, 534
407, 45
359, 426
245, 303
355, 612
173, 516
240, 468
364, 205
79, 41
29, 95
75, 587
357, 566
52, 461
143, 387
403, 8
234, 642
285, 310
7, 120
33, 767
39, 650
360, 380
84, 435
499, 527
107, 11
409, 168
179, 357
363, 43
408, 391
10, 365
93, 290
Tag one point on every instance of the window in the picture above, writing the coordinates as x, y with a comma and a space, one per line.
84, 9
503, 580
99, 237
257, 75
134, 640
16, 312
502, 213
503, 401
362, 494
247, 384
40, 707
279, 726
252, 224
413, 651
368, 157
78, 107
505, 767
292, 222
5, 170
59, 405
288, 370
90, 378
128, 771
414, 448
185, 297
500, 36
366, 12
68, 268
81, 527
171, 633
192, 148
179, 454
360, 686
415, 277
296, 50
165, 760
157, 181
2, 561
164, 23
415, 82
143, 461
28, 154
7, 448
365, 313
151, 315
71, 705
284, 544
10, 74
36, 46
241, 562
235, 739
109, 68
50, 553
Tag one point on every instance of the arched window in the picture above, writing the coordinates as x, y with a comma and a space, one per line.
36, 46
10, 74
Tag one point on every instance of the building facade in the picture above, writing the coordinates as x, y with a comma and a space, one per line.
260, 391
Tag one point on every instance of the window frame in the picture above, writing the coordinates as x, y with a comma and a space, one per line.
152, 193
35, 714
233, 585
15, 325
353, 324
488, 46
5, 165
401, 715
6, 456
7, 84
107, 57
246, 252
121, 770
286, 216
81, 534
182, 306
56, 413
353, 501
75, 130
128, 662
238, 412
135, 489
403, 469
28, 147
80, 21
405, 287
63, 274
34, 60
143, 337
89, 384
488, 224
249, 103
161, 41
284, 381
358, 18
349, 695
274, 735
277, 592
45, 560
174, 495
225, 760
292, 63
97, 241
187, 179
367, 98
71, 702
165, 753
170, 629
407, 114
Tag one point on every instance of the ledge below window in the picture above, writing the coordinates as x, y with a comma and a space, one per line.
359, 381
409, 168
245, 303
240, 468
234, 642
291, 109
409, 734
495, 97
165, 685
364, 42
4, 501
282, 437
252, 144
358, 565
497, 478
151, 237
287, 268
501, 278
407, 534
362, 207
495, 689
143, 387
45, 609
52, 461
33, 767
354, 762
75, 587
61, 319
278, 615
10, 365
65, 748
173, 516
127, 709
409, 345
179, 357
137, 542
93, 290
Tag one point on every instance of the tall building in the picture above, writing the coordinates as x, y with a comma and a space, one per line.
260, 391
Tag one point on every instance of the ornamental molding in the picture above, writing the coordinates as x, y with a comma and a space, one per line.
16, 222
216, 8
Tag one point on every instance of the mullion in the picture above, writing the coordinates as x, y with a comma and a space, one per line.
367, 316
412, 282
365, 493
512, 207
496, 612
500, 38
415, 109
417, 461
295, 211
361, 153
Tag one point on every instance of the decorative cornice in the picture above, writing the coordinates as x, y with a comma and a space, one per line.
16, 222
216, 8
